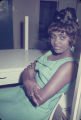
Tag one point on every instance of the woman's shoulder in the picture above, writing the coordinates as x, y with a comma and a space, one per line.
69, 67
68, 64
68, 61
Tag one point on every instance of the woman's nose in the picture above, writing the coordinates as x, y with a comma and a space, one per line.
57, 41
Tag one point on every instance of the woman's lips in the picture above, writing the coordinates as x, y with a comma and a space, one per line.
57, 48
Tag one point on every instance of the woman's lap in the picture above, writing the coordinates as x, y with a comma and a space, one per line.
14, 105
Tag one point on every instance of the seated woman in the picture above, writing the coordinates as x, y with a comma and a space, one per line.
45, 80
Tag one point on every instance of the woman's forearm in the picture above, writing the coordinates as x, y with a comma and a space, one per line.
29, 83
39, 96
29, 86
26, 80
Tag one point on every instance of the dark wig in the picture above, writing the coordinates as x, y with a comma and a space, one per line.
66, 21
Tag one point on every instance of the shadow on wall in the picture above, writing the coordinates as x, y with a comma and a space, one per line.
22, 31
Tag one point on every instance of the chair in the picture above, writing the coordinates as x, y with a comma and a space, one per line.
61, 111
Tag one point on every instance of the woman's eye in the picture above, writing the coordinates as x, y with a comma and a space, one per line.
62, 37
53, 37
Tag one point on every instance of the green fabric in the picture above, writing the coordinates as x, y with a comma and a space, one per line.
14, 104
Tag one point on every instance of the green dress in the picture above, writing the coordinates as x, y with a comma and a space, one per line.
14, 104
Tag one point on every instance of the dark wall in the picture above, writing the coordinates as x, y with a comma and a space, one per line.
6, 25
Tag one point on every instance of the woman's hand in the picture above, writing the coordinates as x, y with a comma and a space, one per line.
29, 72
30, 85
35, 96
31, 89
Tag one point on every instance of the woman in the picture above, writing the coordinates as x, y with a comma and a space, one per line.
46, 79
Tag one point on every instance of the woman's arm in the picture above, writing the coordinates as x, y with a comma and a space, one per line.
29, 81
30, 87
62, 76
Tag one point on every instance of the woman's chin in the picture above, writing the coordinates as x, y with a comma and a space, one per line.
56, 52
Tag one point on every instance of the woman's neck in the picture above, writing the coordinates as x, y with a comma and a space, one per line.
55, 56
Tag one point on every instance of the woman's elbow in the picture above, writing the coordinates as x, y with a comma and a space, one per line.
40, 97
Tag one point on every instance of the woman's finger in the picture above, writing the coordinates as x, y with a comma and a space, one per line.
34, 99
35, 90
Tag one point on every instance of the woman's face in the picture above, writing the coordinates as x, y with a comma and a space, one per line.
60, 42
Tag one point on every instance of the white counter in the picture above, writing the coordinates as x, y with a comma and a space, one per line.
13, 62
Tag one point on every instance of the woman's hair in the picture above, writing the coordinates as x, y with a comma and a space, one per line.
66, 21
